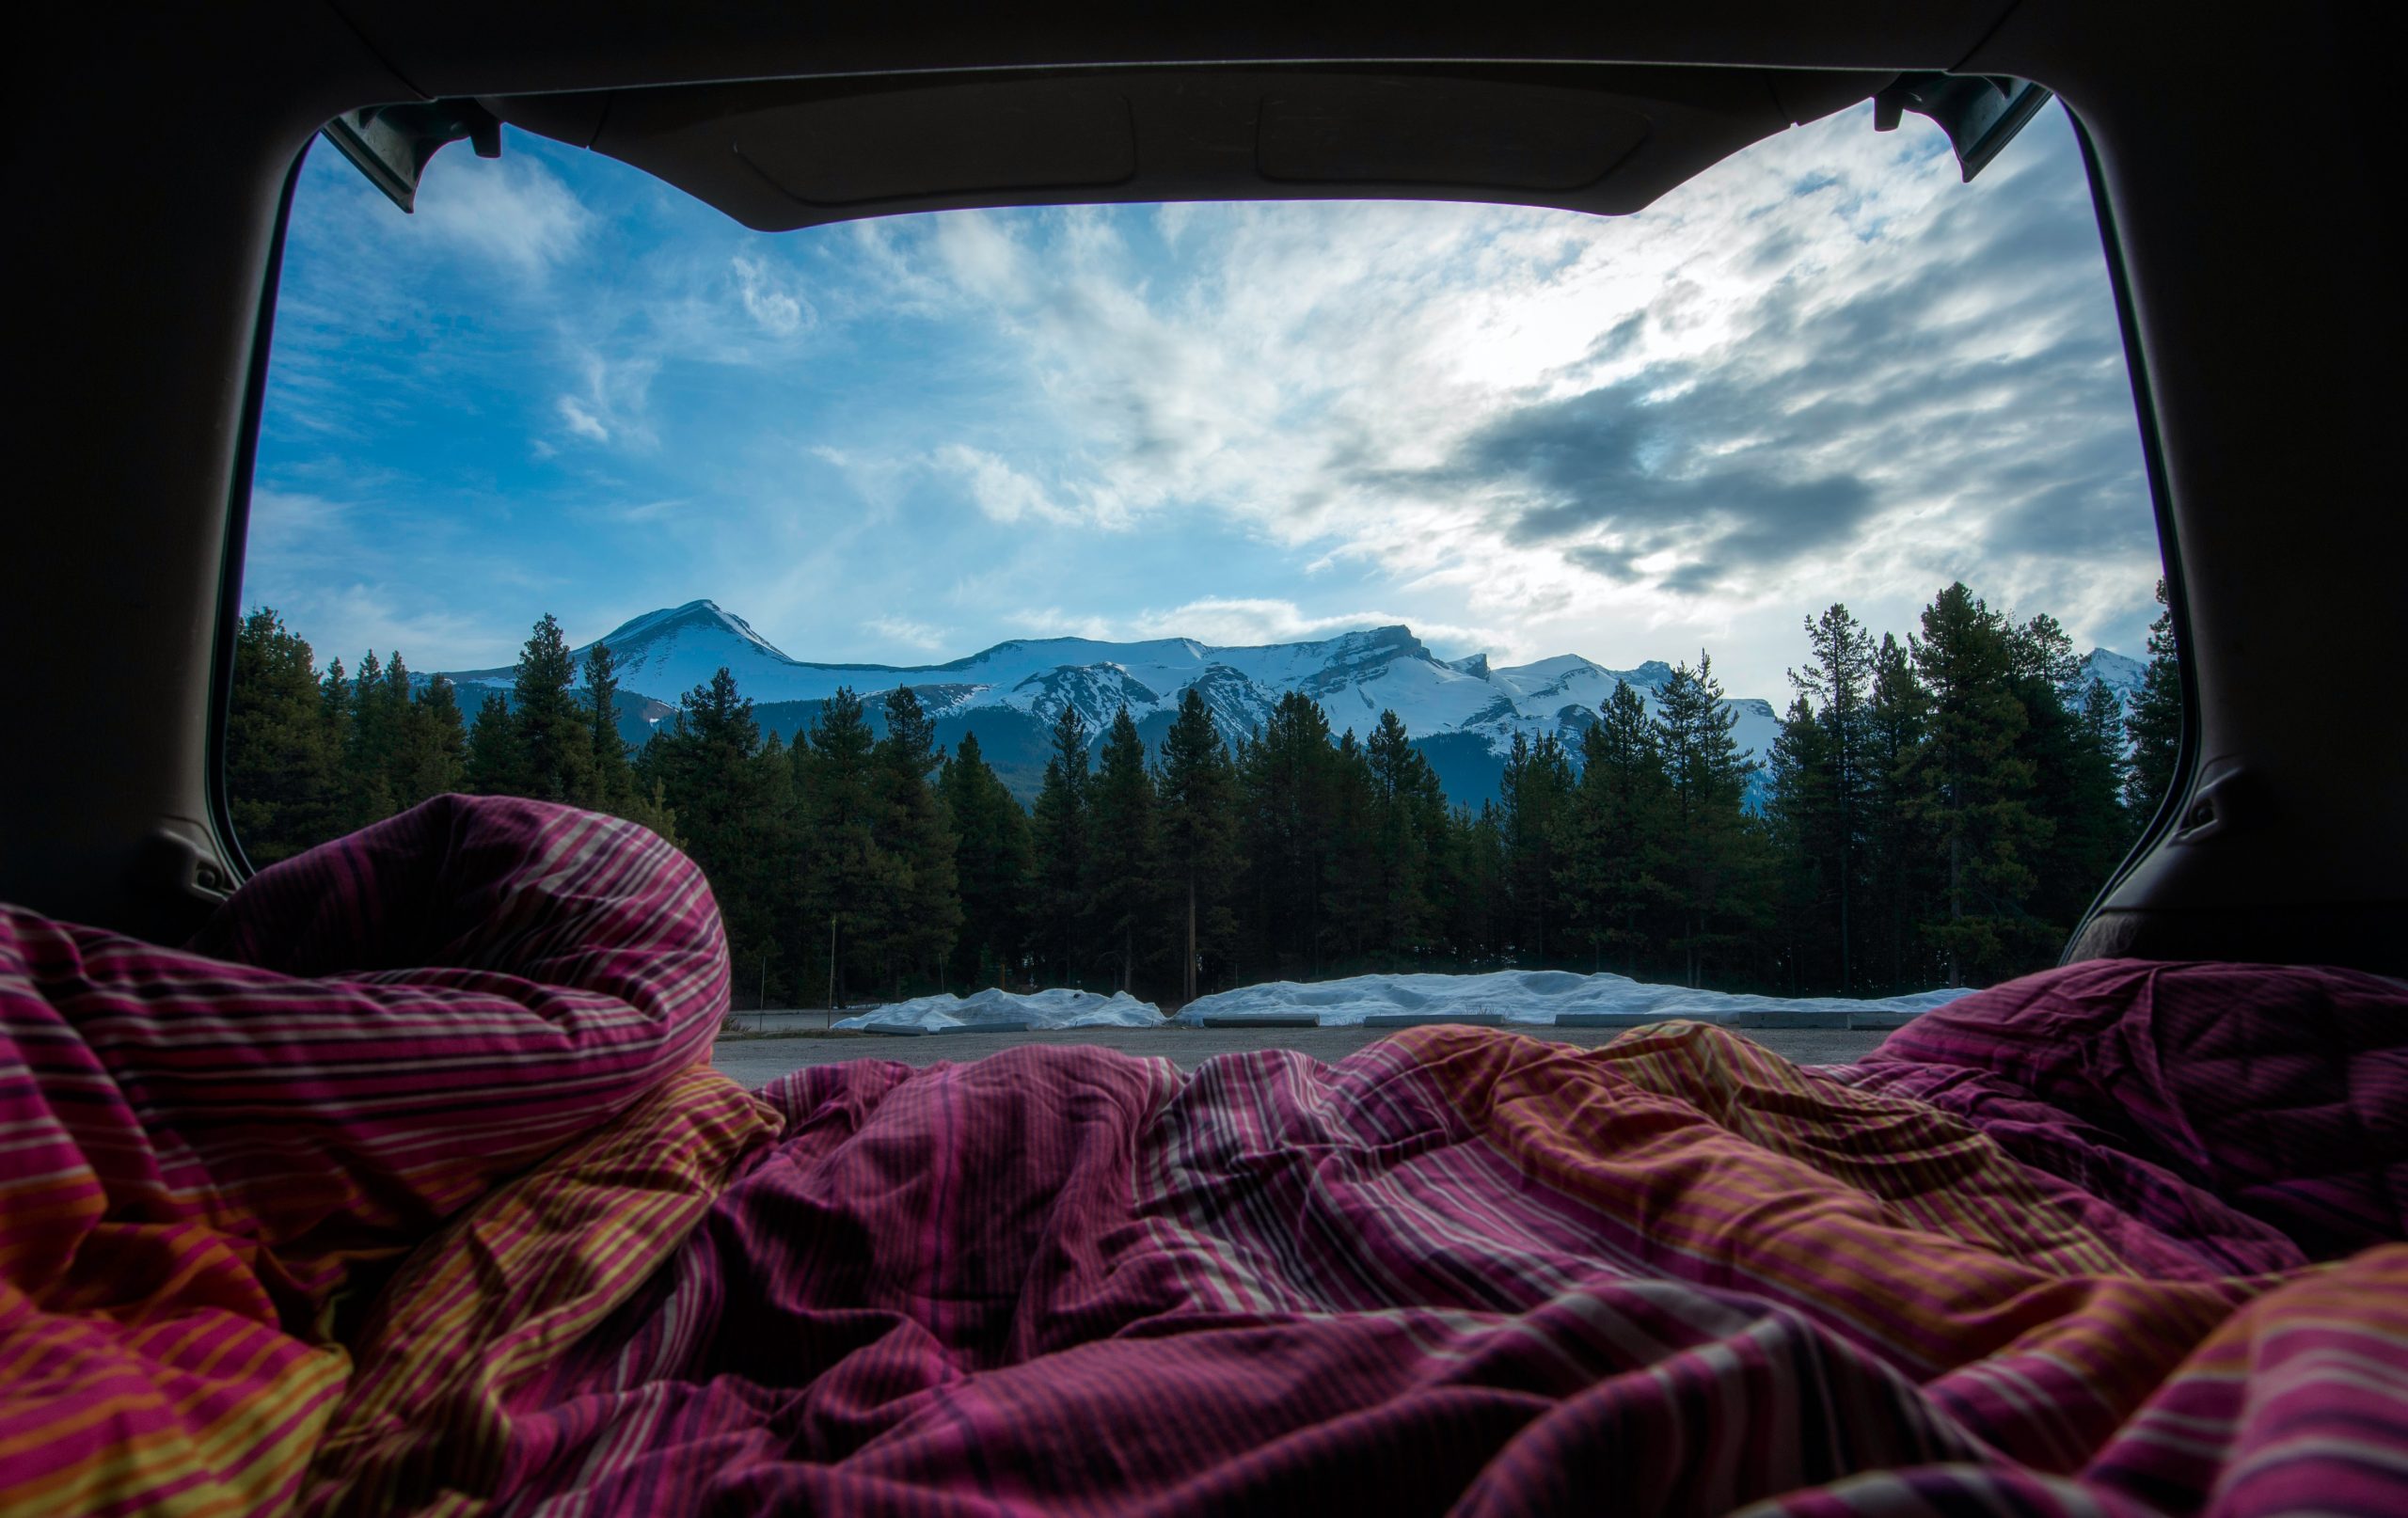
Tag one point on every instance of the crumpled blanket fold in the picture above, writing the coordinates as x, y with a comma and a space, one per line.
212, 1153
406, 1188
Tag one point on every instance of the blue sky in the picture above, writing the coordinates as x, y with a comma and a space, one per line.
1824, 369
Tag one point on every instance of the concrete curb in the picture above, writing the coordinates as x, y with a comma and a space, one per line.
1607, 1019
915, 1031
1272, 1019
1434, 1019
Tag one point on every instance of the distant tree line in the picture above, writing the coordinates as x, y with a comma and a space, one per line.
312, 755
1936, 810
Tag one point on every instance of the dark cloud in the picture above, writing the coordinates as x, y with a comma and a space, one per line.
2086, 500
1775, 252
1692, 580
1988, 370
1618, 339
1624, 471
1604, 562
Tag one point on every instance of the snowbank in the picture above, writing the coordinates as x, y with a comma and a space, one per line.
1053, 1009
1529, 996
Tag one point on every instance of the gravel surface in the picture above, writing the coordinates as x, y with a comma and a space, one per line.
758, 1061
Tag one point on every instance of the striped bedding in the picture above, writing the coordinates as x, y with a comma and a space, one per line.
406, 1189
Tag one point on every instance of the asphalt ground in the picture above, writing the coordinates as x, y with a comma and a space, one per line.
759, 1060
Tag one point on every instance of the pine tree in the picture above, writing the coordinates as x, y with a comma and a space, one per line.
1838, 679
853, 883
1287, 799
1610, 869
612, 781
2041, 651
1352, 917
435, 751
1898, 849
1198, 790
2093, 831
411, 742
1482, 917
1800, 811
1973, 789
2154, 725
1534, 808
1423, 800
776, 862
729, 797
555, 741
2077, 835
1705, 774
610, 784
927, 913
993, 864
279, 767
494, 765
333, 720
1064, 831
371, 746
1407, 810
1124, 861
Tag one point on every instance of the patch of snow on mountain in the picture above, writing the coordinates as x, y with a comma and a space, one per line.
1098, 691
2118, 672
1523, 996
1550, 675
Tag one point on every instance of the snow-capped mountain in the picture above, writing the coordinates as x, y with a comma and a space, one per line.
2117, 672
1353, 677
1462, 713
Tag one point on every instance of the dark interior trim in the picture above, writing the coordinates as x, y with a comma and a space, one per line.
780, 154
2169, 545
238, 523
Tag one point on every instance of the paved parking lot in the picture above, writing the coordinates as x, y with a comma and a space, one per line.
759, 1060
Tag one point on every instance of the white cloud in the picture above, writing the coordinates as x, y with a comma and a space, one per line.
984, 260
510, 210
653, 511
391, 619
343, 618
616, 402
1239, 622
1053, 622
775, 308
1844, 374
919, 635
582, 421
280, 518
1002, 492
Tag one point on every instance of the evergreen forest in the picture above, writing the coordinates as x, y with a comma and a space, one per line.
1939, 809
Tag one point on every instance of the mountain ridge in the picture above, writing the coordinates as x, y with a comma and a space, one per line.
1464, 713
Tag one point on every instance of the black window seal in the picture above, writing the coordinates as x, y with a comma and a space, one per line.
2169, 547
237, 539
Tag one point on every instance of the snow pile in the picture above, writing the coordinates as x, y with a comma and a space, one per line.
1056, 1007
1529, 996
